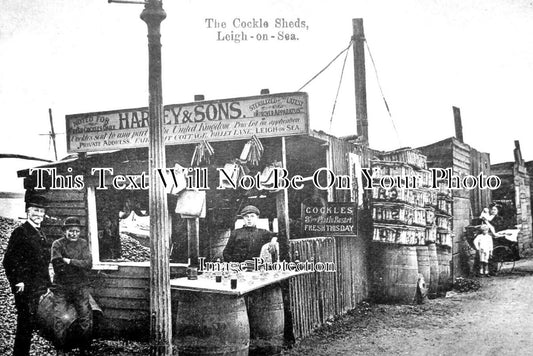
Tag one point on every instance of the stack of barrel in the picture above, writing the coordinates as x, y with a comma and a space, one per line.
404, 253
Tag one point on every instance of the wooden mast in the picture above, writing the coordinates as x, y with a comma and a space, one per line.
52, 132
360, 80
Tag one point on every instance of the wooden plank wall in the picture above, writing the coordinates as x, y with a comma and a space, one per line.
311, 302
338, 150
320, 296
352, 273
62, 204
451, 153
462, 210
461, 165
124, 297
523, 210
439, 153
480, 198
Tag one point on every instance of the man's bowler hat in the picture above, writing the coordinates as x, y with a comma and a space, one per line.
71, 222
37, 201
249, 209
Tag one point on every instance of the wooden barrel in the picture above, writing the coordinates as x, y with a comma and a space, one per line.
46, 319
443, 255
395, 273
422, 256
433, 271
211, 324
267, 320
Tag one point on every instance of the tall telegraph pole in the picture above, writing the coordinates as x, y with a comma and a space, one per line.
160, 306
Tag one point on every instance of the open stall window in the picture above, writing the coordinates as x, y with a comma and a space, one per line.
123, 225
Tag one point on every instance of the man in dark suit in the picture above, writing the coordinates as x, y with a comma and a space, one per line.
245, 243
26, 263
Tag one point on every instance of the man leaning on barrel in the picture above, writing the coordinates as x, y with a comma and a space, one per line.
245, 243
72, 261
26, 263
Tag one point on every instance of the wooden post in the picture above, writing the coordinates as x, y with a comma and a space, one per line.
193, 227
282, 208
284, 233
160, 307
330, 165
92, 224
360, 79
458, 123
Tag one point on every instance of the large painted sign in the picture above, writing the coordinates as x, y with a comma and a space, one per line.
275, 115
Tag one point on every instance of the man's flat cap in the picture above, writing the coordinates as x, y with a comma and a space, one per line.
249, 209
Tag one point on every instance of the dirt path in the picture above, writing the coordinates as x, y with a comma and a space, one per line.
495, 320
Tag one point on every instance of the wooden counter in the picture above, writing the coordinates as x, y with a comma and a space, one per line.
214, 319
246, 282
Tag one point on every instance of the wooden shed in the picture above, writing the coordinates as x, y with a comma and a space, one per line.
514, 197
467, 203
85, 185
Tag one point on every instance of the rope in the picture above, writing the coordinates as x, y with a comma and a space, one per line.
383, 95
326, 67
339, 86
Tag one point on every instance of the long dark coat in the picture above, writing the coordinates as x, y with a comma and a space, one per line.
245, 244
27, 260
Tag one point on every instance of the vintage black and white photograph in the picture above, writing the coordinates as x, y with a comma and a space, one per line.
277, 177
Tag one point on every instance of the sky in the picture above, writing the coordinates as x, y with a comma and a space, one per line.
77, 56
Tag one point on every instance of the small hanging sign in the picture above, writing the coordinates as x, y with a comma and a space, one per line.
329, 218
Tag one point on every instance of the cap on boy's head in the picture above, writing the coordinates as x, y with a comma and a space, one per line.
37, 201
71, 222
484, 228
249, 209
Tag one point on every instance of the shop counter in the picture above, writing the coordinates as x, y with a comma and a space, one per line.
214, 319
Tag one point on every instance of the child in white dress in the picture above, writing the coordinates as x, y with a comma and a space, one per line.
484, 245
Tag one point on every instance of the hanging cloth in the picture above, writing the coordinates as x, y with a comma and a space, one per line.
253, 151
202, 153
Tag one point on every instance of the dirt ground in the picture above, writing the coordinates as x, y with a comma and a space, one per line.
497, 319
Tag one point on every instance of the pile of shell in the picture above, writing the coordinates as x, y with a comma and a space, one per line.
464, 285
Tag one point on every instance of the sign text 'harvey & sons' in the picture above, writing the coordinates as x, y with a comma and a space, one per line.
273, 115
